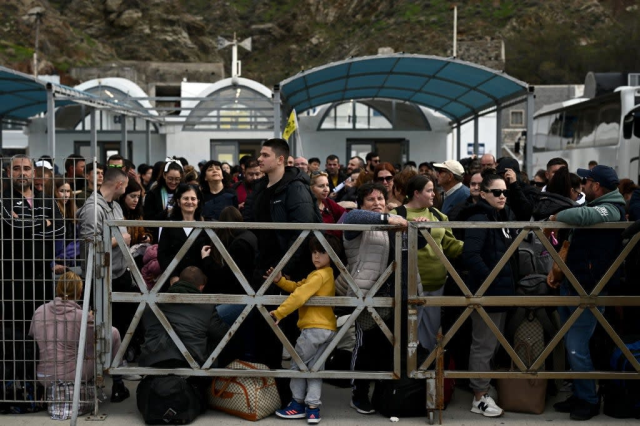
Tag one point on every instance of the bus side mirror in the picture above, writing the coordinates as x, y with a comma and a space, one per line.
627, 126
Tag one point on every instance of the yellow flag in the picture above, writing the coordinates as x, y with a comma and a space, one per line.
291, 126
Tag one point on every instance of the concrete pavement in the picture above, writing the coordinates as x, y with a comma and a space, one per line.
335, 411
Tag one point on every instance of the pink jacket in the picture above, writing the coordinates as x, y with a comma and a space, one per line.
151, 269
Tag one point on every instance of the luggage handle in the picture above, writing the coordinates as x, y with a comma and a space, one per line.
223, 388
253, 367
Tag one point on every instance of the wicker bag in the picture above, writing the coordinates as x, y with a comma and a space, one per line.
250, 398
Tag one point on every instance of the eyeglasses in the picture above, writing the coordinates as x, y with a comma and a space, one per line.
384, 178
116, 166
585, 180
173, 179
498, 192
539, 184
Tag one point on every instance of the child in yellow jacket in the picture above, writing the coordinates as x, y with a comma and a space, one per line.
317, 325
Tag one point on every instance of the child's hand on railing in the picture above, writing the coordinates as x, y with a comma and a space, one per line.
277, 278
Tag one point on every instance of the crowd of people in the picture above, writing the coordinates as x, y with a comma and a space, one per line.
50, 218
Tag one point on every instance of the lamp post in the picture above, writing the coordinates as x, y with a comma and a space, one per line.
36, 15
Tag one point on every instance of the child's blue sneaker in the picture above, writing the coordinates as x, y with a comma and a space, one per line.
313, 415
294, 410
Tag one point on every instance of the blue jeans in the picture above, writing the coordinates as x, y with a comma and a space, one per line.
229, 313
577, 346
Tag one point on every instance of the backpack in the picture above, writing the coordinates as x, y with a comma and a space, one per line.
529, 325
402, 211
168, 400
622, 397
533, 257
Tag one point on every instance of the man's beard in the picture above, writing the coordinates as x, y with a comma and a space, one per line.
22, 186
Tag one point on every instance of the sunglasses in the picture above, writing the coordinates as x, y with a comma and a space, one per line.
384, 179
585, 180
497, 192
539, 184
116, 166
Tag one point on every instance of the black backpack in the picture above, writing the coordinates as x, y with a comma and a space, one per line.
622, 397
168, 400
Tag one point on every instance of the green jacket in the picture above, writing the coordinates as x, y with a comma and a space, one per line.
599, 210
433, 273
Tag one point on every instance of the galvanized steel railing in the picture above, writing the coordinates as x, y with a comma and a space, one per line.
252, 299
479, 301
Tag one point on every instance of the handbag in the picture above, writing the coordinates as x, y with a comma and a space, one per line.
366, 321
59, 396
556, 275
250, 398
522, 395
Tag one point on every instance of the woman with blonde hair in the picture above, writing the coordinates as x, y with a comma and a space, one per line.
56, 328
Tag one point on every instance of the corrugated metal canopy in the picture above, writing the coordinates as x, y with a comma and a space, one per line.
23, 96
451, 87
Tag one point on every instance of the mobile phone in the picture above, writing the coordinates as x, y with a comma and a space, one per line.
339, 187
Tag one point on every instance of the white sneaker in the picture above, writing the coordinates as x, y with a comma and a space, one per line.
486, 406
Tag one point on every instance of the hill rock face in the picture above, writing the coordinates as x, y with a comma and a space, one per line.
287, 35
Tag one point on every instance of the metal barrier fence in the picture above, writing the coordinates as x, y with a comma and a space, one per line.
478, 302
40, 245
252, 299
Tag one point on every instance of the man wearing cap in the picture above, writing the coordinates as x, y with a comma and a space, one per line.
591, 253
450, 176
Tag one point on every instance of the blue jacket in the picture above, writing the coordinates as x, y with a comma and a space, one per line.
454, 199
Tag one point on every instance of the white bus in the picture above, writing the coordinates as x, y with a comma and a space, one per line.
605, 129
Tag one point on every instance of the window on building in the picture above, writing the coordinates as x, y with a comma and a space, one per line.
517, 118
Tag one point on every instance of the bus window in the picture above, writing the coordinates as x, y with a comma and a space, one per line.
585, 134
569, 129
554, 140
608, 130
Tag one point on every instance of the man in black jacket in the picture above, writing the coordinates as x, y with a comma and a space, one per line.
30, 224
281, 196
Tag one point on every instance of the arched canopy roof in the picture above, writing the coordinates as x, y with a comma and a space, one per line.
22, 96
452, 87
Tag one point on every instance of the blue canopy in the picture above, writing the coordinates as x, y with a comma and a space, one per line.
23, 96
454, 88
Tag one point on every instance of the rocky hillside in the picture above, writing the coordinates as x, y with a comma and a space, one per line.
290, 35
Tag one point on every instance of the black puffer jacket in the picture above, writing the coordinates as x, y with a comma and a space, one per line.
550, 203
483, 248
292, 202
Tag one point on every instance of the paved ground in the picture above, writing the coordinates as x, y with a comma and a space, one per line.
336, 411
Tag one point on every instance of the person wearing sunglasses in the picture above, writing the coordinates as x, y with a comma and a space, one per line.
483, 249
383, 173
522, 197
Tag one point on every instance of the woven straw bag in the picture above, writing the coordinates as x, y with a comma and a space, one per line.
250, 398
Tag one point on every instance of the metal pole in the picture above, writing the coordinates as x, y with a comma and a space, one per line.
93, 132
1, 133
147, 140
51, 121
476, 131
455, 31
529, 141
83, 337
459, 137
123, 136
276, 111
498, 152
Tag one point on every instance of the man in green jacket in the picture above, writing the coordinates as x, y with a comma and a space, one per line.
591, 253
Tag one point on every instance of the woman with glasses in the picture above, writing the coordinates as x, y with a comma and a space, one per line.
187, 207
384, 173
157, 202
217, 196
330, 211
483, 249
540, 179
